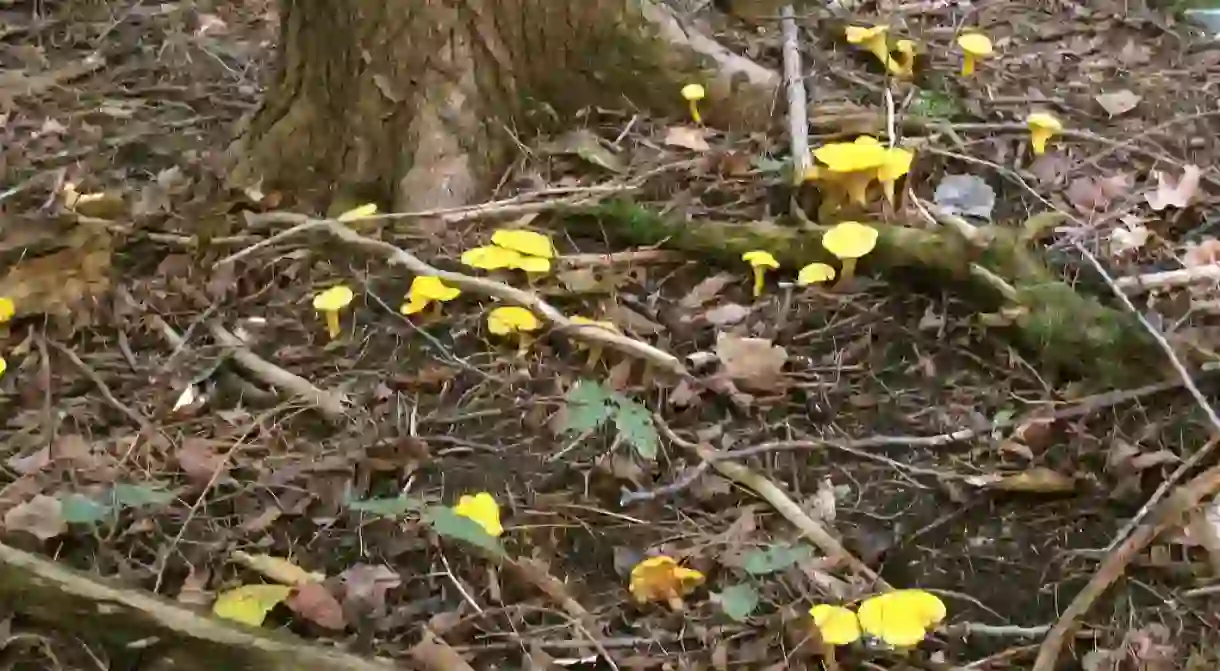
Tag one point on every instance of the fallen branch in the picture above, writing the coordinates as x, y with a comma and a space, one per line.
89, 607
1169, 514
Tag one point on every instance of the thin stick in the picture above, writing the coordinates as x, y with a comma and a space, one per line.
798, 102
139, 420
1139, 284
1168, 515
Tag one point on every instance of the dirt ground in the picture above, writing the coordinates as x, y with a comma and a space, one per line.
114, 313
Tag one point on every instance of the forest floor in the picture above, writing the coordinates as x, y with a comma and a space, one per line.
135, 448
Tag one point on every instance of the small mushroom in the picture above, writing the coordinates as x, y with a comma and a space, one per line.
329, 303
1042, 127
693, 93
853, 165
905, 65
835, 626
662, 579
975, 46
7, 309
3, 366
524, 242
872, 40
491, 257
427, 289
595, 349
849, 241
483, 510
897, 163
511, 319
815, 273
759, 260
901, 618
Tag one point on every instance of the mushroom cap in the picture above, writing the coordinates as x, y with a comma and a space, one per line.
3, 365
431, 288
850, 240
815, 273
366, 210
658, 578
510, 319
901, 618
585, 321
491, 257
852, 156
897, 163
860, 34
1044, 121
693, 92
525, 242
334, 298
836, 624
905, 47
760, 258
975, 44
7, 309
483, 510
532, 264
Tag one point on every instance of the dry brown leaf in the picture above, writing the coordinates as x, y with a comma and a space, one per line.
1204, 253
727, 314
687, 137
194, 588
1175, 192
41, 516
1118, 102
756, 364
705, 291
315, 603
1036, 481
277, 569
630, 320
198, 458
365, 586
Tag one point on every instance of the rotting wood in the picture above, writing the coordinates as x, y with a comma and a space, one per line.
44, 591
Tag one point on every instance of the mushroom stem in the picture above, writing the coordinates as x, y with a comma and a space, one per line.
845, 275
595, 355
758, 281
332, 323
828, 655
967, 65
523, 345
856, 184
1038, 137
694, 112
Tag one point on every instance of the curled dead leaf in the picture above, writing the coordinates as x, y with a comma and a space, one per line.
1175, 192
756, 364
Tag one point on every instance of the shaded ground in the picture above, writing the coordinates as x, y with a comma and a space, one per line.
442, 409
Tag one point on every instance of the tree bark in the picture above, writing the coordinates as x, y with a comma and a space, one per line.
423, 102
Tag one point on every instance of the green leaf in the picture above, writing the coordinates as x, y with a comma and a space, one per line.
634, 424
386, 507
775, 558
737, 601
80, 509
134, 496
590, 404
935, 105
452, 525
766, 164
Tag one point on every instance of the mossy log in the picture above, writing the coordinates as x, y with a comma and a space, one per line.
1070, 332
166, 635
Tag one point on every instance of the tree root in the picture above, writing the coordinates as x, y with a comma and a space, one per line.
1071, 333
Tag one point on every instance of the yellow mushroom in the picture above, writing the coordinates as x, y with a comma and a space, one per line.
7, 309
901, 618
975, 46
849, 241
835, 626
483, 510
595, 349
329, 303
427, 289
491, 257
511, 319
693, 93
897, 163
3, 366
527, 243
815, 273
905, 66
853, 165
872, 40
759, 260
1042, 127
662, 579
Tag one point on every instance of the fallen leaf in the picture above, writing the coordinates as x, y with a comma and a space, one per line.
200, 461
1125, 240
630, 320
1050, 167
1172, 192
1036, 481
687, 137
705, 291
277, 569
249, 604
754, 363
727, 314
315, 603
585, 144
1118, 102
41, 516
365, 585
194, 588
965, 195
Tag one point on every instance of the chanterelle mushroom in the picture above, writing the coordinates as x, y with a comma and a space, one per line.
759, 260
329, 303
693, 93
849, 241
1042, 127
975, 46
